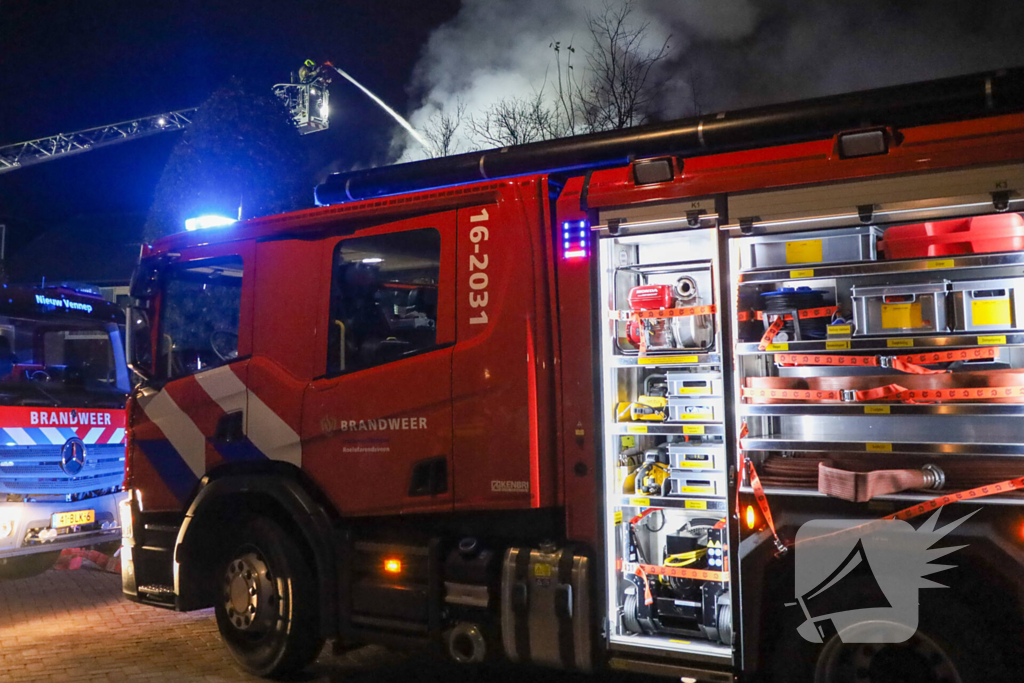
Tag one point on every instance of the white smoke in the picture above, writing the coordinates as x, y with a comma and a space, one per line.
722, 53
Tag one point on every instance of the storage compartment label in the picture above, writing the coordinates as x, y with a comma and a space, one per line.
837, 345
939, 263
783, 346
803, 251
659, 360
798, 274
640, 502
696, 505
878, 447
876, 410
899, 343
839, 330
706, 389
901, 316
693, 429
696, 416
618, 517
992, 339
636, 429
991, 312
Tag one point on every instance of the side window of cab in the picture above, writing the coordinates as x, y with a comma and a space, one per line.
384, 298
200, 313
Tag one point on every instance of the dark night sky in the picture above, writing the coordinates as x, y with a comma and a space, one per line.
68, 65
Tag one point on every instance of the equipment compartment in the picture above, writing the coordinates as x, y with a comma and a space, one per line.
666, 496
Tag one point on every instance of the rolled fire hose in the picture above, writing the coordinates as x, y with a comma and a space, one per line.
860, 487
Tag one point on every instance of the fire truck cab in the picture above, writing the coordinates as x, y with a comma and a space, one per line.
595, 412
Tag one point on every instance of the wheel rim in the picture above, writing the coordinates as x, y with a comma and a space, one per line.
918, 660
250, 595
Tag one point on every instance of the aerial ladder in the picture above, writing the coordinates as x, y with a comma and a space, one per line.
307, 103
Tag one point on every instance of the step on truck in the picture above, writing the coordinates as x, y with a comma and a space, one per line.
63, 387
703, 399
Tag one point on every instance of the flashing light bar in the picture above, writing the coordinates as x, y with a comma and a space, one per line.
209, 221
575, 239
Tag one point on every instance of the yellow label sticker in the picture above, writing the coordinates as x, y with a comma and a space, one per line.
696, 505
636, 429
697, 489
939, 263
543, 570
641, 502
618, 517
878, 447
664, 360
706, 389
696, 416
839, 330
700, 465
991, 312
680, 642
693, 429
876, 410
782, 346
901, 316
799, 274
803, 251
899, 343
992, 339
837, 345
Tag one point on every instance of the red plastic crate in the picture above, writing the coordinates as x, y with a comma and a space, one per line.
977, 235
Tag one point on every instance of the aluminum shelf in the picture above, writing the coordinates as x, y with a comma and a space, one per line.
810, 271
693, 360
713, 503
906, 497
882, 410
690, 429
757, 443
887, 346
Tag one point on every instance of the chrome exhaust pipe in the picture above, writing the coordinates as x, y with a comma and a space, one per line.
466, 644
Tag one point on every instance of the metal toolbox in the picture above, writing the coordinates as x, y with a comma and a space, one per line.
694, 384
696, 458
810, 248
695, 410
900, 309
988, 305
694, 484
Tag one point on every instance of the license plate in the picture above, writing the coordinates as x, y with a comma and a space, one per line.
76, 518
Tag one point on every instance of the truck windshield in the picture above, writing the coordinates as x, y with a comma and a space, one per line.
61, 362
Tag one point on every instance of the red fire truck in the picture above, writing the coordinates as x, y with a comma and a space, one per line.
576, 403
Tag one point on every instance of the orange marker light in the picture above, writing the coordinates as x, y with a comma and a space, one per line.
393, 566
751, 517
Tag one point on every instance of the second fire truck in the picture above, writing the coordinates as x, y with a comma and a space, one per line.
682, 400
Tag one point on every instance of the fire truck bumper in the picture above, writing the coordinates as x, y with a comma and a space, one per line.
39, 527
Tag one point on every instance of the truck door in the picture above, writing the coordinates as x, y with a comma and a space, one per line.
193, 415
377, 427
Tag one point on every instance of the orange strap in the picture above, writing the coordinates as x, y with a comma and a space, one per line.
779, 321
889, 391
683, 573
908, 363
759, 495
654, 314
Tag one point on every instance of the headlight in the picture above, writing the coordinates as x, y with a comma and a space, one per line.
125, 510
7, 524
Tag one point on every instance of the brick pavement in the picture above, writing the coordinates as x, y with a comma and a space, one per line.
69, 626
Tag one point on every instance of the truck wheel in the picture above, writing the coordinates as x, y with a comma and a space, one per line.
26, 566
267, 606
951, 645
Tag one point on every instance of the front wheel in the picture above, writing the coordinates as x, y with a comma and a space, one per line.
27, 566
266, 606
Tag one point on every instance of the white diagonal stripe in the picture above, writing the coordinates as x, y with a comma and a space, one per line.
94, 434
53, 435
179, 429
118, 437
20, 437
265, 428
224, 387
272, 435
